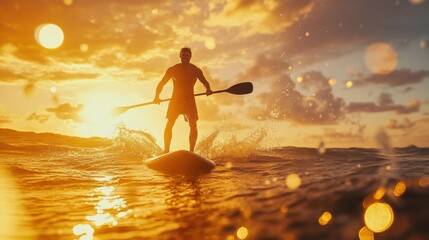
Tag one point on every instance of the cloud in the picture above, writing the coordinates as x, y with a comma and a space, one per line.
350, 135
396, 78
4, 119
259, 17
385, 99
65, 76
355, 133
395, 124
337, 27
38, 117
384, 106
66, 111
7, 75
284, 101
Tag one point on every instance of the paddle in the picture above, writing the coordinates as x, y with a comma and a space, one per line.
237, 89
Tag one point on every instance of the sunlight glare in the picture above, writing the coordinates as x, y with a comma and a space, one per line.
49, 35
97, 120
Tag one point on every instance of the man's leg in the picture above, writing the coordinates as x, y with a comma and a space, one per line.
193, 134
168, 134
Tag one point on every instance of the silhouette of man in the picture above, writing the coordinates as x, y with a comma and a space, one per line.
184, 75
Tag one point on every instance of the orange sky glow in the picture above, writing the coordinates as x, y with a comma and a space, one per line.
321, 70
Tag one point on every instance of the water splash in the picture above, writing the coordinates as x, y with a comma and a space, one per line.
384, 141
135, 143
219, 144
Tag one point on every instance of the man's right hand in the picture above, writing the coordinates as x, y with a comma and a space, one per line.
156, 100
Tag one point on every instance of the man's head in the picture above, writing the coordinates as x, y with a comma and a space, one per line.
185, 55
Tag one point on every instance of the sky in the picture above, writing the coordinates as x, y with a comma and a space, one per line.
334, 71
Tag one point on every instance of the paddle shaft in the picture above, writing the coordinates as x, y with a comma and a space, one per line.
168, 99
237, 89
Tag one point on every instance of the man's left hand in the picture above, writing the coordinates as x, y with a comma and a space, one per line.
209, 92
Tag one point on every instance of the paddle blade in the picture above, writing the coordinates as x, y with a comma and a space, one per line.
118, 111
241, 88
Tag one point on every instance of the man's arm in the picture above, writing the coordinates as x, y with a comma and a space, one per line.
161, 84
204, 81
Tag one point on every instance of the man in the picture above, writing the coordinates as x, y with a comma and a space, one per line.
184, 75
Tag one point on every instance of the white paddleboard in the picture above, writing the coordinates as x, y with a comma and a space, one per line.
181, 162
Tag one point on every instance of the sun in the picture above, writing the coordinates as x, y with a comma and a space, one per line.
49, 35
96, 117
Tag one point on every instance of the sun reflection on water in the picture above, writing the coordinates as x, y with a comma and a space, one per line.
109, 208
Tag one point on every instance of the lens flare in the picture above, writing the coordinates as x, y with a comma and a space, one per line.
379, 194
381, 58
349, 84
378, 217
325, 218
400, 188
293, 181
242, 233
84, 47
49, 35
284, 209
424, 181
416, 2
366, 234
423, 43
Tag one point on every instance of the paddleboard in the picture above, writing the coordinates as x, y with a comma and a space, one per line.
181, 162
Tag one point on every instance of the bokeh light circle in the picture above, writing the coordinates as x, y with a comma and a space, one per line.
381, 58
378, 217
293, 181
49, 35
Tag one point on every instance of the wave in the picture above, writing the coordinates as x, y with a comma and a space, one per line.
10, 137
18, 170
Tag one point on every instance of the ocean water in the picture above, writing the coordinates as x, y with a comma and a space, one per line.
59, 187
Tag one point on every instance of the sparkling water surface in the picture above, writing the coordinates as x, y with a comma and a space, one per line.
58, 187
